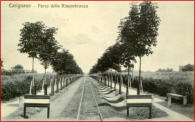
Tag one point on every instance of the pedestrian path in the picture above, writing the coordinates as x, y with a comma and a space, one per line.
172, 115
11, 106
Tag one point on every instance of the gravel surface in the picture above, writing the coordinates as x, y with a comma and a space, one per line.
117, 110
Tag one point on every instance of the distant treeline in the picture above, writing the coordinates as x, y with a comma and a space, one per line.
13, 72
17, 69
185, 68
188, 67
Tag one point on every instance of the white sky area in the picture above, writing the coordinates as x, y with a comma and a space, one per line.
87, 32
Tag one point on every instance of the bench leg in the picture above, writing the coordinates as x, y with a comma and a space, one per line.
127, 111
24, 111
150, 112
48, 109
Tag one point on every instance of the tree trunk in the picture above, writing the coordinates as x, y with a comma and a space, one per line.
111, 79
132, 73
117, 82
32, 84
52, 86
45, 72
127, 86
57, 85
108, 80
115, 78
120, 84
138, 89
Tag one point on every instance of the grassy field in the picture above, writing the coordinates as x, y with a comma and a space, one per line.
162, 83
17, 85
173, 76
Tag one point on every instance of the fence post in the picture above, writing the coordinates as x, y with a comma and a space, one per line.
52, 86
115, 82
111, 80
127, 85
108, 80
45, 86
120, 84
57, 84
66, 81
104, 80
61, 83
45, 89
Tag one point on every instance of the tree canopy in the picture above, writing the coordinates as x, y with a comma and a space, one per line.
137, 35
18, 69
31, 38
38, 41
64, 63
110, 59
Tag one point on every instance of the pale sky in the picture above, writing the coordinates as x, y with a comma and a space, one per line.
87, 32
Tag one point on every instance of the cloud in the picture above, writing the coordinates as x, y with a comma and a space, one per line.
95, 29
81, 39
78, 39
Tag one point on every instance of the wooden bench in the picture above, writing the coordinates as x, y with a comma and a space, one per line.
36, 101
140, 101
173, 95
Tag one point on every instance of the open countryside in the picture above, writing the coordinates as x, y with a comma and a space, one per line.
67, 72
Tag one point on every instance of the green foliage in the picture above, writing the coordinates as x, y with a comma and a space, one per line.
64, 63
14, 86
165, 70
31, 38
188, 67
39, 42
110, 59
187, 89
49, 47
17, 69
164, 86
137, 34
140, 29
162, 83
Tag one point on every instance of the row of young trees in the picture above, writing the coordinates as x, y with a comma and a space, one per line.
137, 35
38, 41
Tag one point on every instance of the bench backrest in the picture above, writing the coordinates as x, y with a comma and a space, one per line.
139, 97
37, 99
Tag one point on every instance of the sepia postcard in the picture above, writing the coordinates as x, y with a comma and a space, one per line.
97, 60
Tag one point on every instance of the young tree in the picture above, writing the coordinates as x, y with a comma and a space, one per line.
128, 37
49, 47
147, 30
127, 61
30, 41
140, 30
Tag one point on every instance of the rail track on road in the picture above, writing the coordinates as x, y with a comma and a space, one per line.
88, 107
